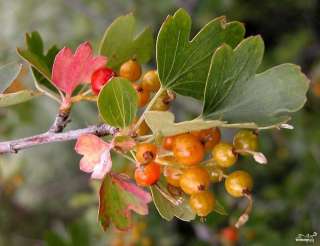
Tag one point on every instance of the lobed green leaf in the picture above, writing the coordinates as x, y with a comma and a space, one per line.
234, 93
41, 63
119, 43
229, 66
183, 65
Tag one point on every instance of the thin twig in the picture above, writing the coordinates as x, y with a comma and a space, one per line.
50, 137
149, 106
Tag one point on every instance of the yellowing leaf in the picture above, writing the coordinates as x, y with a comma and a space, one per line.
8, 73
17, 97
163, 123
166, 208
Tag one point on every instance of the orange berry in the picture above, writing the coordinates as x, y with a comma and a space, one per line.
215, 173
172, 175
167, 142
146, 152
151, 81
245, 140
223, 155
162, 103
148, 174
187, 149
143, 95
208, 137
238, 182
194, 180
202, 203
130, 70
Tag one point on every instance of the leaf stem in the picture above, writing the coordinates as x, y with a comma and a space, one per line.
124, 156
153, 100
83, 97
133, 156
144, 137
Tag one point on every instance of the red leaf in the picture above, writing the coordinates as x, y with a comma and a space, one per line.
70, 70
118, 197
96, 155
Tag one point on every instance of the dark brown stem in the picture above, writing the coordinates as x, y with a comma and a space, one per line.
50, 137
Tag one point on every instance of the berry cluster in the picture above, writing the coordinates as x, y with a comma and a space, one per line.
182, 161
189, 162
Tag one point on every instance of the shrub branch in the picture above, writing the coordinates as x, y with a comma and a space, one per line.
51, 137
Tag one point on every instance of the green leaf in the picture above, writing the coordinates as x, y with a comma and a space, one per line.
229, 66
41, 63
8, 73
17, 97
183, 65
118, 195
117, 102
166, 208
119, 43
236, 95
163, 123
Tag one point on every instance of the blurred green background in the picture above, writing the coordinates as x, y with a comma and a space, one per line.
46, 200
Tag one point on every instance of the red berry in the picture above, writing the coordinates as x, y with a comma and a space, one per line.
99, 78
230, 234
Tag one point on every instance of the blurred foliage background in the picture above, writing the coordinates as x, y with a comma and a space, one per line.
46, 200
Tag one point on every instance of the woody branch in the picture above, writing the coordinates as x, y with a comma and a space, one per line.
50, 137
